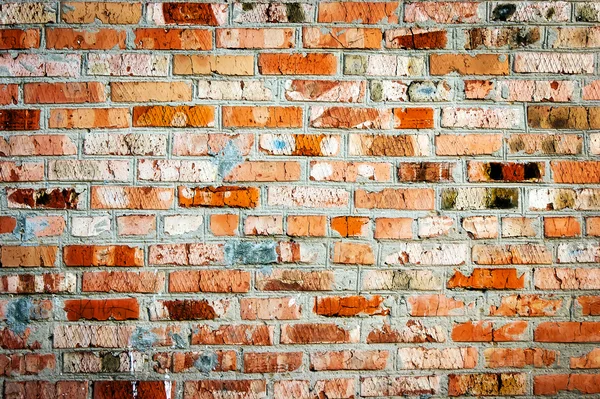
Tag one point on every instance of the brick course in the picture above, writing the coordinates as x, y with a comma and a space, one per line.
318, 199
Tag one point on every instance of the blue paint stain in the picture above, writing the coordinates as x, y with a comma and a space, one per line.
34, 226
207, 362
228, 158
143, 339
18, 315
178, 341
250, 253
279, 144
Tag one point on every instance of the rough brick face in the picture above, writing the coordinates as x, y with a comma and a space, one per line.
321, 199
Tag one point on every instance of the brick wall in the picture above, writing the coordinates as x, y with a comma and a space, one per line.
299, 200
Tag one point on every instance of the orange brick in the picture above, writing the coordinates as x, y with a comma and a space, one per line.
272, 117
555, 227
19, 39
89, 118
81, 39
465, 64
224, 225
307, 226
255, 38
297, 64
64, 93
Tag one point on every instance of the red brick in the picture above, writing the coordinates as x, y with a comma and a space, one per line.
19, 39
22, 256
45, 389
19, 119
209, 281
134, 389
64, 93
567, 331
223, 196
272, 362
102, 309
239, 334
96, 255
349, 360
80, 39
9, 94
553, 384
172, 39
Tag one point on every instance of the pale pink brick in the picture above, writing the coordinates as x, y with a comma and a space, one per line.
309, 197
263, 225
483, 118
286, 308
128, 64
350, 171
44, 226
28, 65
249, 90
136, 225
90, 226
445, 12
520, 90
178, 171
25, 171
435, 226
591, 91
567, 63
325, 90
182, 224
189, 144
384, 65
481, 227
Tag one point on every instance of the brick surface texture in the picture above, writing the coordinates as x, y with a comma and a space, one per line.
306, 200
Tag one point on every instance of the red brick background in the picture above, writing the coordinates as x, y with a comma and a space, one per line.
299, 200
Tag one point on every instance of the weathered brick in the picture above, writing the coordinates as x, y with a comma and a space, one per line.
106, 13
213, 64
363, 12
89, 118
80, 39
510, 37
465, 64
255, 38
562, 63
443, 12
297, 64
127, 64
19, 39
348, 38
172, 39
187, 13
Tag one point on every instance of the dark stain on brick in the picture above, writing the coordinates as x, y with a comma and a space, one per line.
46, 198
294, 12
502, 198
189, 13
110, 363
502, 12
190, 310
